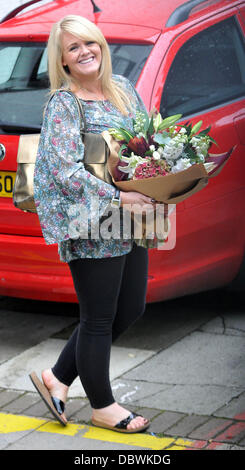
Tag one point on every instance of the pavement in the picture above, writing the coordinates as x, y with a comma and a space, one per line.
181, 365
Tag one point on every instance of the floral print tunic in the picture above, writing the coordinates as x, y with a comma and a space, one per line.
60, 179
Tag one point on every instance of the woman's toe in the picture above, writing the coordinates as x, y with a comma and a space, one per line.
137, 422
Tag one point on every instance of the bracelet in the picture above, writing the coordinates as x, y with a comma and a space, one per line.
116, 200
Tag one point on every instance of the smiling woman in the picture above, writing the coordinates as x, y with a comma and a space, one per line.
79, 59
82, 59
104, 270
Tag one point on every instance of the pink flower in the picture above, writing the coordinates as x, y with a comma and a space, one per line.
65, 192
55, 141
57, 120
76, 184
101, 192
150, 168
55, 172
60, 215
51, 186
73, 145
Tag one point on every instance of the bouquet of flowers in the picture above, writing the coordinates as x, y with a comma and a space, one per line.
161, 159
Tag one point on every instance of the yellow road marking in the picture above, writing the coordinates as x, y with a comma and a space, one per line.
141, 440
13, 423
54, 427
176, 448
183, 442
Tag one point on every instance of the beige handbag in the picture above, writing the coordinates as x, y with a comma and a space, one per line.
23, 187
95, 161
96, 150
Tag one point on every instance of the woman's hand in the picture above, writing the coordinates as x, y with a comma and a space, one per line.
133, 197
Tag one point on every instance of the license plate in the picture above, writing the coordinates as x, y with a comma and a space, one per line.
7, 179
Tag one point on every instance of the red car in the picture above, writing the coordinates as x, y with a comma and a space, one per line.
183, 57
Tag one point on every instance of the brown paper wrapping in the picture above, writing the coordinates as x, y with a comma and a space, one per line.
167, 189
171, 188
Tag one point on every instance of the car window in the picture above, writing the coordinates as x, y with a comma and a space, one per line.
24, 80
8, 57
209, 69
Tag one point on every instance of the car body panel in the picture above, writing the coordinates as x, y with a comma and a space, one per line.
210, 226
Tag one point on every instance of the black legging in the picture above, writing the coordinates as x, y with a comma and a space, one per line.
111, 294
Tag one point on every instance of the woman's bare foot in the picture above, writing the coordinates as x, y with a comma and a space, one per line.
113, 414
55, 387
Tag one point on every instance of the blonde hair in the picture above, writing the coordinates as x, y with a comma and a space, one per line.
84, 29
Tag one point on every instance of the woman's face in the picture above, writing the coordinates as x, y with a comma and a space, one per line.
82, 57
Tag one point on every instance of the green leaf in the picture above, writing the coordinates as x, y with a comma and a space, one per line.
157, 121
151, 127
205, 131
161, 138
147, 123
126, 134
190, 152
123, 146
169, 121
188, 129
214, 141
196, 128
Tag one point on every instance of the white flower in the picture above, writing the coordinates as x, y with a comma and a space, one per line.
173, 150
181, 164
173, 129
156, 155
201, 145
152, 148
182, 130
132, 162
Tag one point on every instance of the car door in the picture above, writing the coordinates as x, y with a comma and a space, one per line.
203, 78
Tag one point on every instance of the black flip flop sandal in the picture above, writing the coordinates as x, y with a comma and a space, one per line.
122, 425
55, 405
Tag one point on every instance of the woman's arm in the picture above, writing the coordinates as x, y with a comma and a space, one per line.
62, 186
